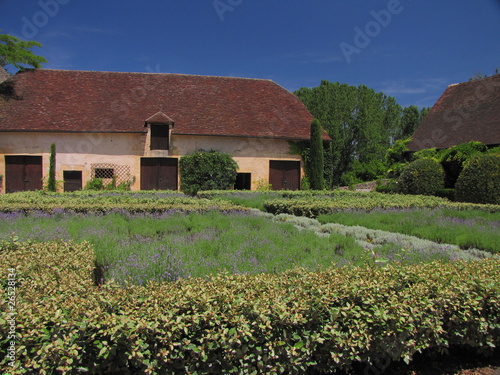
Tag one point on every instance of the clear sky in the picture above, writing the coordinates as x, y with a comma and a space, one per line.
409, 49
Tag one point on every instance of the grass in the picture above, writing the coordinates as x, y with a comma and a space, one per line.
171, 246
464, 228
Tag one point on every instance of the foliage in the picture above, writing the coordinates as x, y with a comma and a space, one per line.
390, 187
397, 157
446, 193
464, 228
368, 171
360, 122
94, 184
310, 205
51, 182
137, 248
409, 122
207, 170
394, 247
316, 162
424, 176
16, 52
87, 201
427, 153
454, 158
479, 181
263, 185
296, 322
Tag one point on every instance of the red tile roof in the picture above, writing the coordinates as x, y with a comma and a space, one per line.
87, 101
468, 111
159, 118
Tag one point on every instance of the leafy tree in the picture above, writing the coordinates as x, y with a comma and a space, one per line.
361, 123
17, 52
409, 122
207, 170
316, 164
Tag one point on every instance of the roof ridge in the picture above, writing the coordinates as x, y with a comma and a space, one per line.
153, 73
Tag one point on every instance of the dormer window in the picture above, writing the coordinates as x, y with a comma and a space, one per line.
159, 125
159, 137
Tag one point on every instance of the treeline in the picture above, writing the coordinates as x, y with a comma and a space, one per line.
362, 123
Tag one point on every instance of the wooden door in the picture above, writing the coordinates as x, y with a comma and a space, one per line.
159, 173
284, 175
72, 180
23, 173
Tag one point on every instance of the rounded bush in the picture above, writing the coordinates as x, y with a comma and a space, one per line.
479, 181
424, 176
207, 170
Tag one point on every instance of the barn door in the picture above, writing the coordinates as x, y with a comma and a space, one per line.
23, 173
284, 175
159, 173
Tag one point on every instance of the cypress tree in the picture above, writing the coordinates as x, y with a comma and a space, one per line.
51, 183
316, 157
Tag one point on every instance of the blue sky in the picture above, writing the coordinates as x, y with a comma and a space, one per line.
409, 49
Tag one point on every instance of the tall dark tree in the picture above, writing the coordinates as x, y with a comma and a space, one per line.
17, 52
51, 183
316, 157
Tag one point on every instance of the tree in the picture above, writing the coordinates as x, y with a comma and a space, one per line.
51, 183
409, 122
361, 123
316, 162
16, 52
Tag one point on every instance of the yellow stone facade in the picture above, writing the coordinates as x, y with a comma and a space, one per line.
82, 151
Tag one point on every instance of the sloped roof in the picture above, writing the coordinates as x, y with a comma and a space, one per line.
89, 101
159, 118
468, 111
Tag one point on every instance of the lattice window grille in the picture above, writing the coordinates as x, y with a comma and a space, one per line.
107, 171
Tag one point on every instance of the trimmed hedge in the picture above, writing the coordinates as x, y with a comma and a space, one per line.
479, 181
102, 202
294, 322
313, 206
423, 177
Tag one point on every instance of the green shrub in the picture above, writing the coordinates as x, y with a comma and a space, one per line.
479, 181
426, 153
397, 157
423, 176
94, 184
446, 193
454, 159
295, 322
391, 187
207, 170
